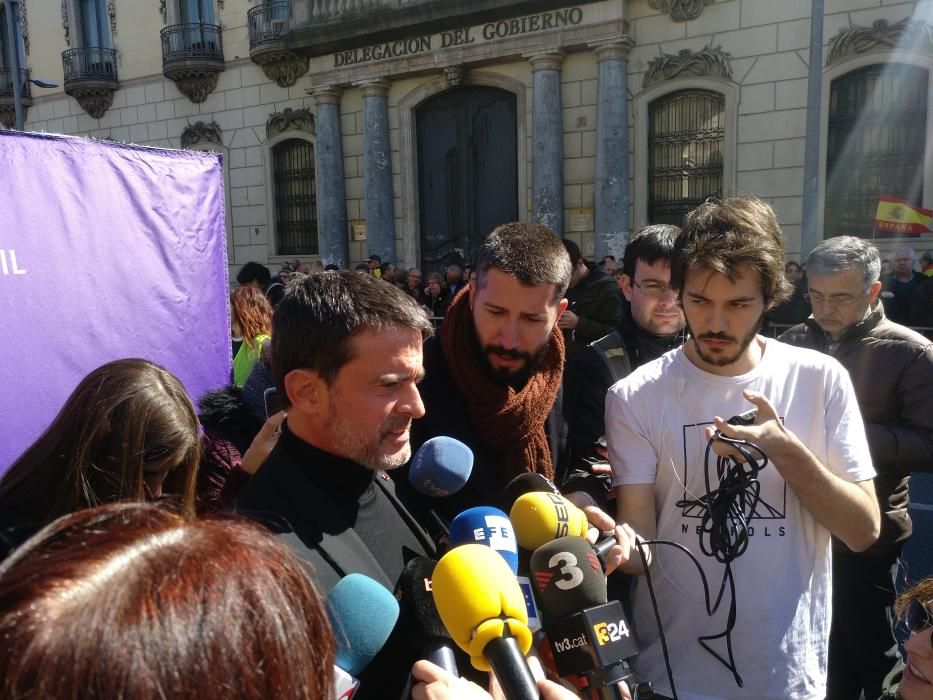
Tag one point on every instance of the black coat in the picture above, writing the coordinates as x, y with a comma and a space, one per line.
891, 368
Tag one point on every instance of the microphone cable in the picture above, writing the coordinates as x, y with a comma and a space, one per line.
726, 512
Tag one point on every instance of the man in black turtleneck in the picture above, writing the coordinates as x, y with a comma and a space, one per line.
652, 323
346, 360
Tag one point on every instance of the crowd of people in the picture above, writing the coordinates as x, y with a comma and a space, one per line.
155, 546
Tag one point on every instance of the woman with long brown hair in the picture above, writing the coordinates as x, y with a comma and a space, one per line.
132, 601
251, 319
128, 432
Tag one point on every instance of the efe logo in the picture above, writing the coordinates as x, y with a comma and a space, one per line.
610, 632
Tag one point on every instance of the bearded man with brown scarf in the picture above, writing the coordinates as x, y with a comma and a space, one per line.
493, 373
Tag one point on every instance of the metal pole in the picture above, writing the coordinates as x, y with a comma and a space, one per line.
13, 45
811, 159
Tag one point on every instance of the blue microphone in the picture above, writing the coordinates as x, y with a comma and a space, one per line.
363, 615
440, 467
488, 526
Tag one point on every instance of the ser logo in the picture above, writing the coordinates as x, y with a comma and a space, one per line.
610, 632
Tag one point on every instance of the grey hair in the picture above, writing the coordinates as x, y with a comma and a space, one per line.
843, 252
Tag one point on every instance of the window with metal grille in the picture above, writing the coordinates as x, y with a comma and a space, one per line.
294, 192
875, 144
686, 132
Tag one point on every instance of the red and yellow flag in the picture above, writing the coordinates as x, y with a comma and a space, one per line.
897, 216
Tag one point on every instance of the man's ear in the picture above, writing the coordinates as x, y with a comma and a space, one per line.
874, 291
561, 308
306, 391
626, 287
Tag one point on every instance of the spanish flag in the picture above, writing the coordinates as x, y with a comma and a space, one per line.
899, 217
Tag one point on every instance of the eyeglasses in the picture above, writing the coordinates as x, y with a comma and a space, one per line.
835, 300
918, 618
652, 289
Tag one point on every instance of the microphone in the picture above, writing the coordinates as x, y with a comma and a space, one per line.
417, 605
362, 614
482, 606
588, 636
487, 526
540, 517
440, 467
492, 527
529, 482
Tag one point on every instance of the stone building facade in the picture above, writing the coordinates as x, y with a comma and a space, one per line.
409, 128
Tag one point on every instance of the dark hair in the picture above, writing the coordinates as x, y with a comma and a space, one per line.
319, 314
254, 272
124, 419
529, 252
330, 267
573, 250
135, 602
652, 243
252, 312
722, 236
362, 266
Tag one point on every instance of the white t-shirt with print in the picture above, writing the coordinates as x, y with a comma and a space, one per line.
655, 420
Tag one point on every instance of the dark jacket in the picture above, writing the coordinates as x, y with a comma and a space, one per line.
897, 296
286, 495
598, 303
891, 368
446, 413
437, 306
586, 381
921, 304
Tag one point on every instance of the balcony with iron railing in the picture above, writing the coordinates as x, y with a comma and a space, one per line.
193, 57
268, 25
7, 97
91, 77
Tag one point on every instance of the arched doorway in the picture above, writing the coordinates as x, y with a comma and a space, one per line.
467, 171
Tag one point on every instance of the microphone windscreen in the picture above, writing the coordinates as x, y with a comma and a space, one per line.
478, 597
568, 577
488, 526
440, 467
363, 615
529, 482
415, 598
540, 517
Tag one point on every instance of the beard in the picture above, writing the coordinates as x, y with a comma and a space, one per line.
367, 451
503, 376
722, 360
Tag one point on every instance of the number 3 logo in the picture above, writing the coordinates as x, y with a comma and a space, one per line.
566, 563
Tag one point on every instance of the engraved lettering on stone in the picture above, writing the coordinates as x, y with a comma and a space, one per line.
706, 62
907, 34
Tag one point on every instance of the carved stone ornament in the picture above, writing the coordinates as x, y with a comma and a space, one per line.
163, 10
8, 114
705, 62
24, 26
112, 14
282, 67
65, 24
908, 34
456, 75
290, 119
195, 84
680, 10
201, 133
94, 101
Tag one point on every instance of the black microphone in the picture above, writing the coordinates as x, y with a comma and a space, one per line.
589, 637
525, 483
418, 609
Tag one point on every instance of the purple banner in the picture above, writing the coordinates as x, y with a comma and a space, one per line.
106, 251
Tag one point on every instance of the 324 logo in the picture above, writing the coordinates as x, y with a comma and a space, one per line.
610, 631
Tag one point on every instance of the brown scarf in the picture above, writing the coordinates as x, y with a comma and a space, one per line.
508, 421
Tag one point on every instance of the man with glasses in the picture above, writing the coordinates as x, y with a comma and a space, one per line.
652, 323
891, 368
413, 284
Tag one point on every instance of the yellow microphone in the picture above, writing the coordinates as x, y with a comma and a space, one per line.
482, 606
539, 517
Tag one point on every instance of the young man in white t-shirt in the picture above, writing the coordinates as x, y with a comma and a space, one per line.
728, 265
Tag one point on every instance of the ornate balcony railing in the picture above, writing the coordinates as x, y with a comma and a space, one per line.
324, 11
268, 22
6, 83
184, 42
89, 64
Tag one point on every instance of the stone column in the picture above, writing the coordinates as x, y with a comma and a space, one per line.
330, 187
612, 148
811, 158
547, 143
377, 170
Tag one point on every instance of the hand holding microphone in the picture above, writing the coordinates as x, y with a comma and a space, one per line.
436, 684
